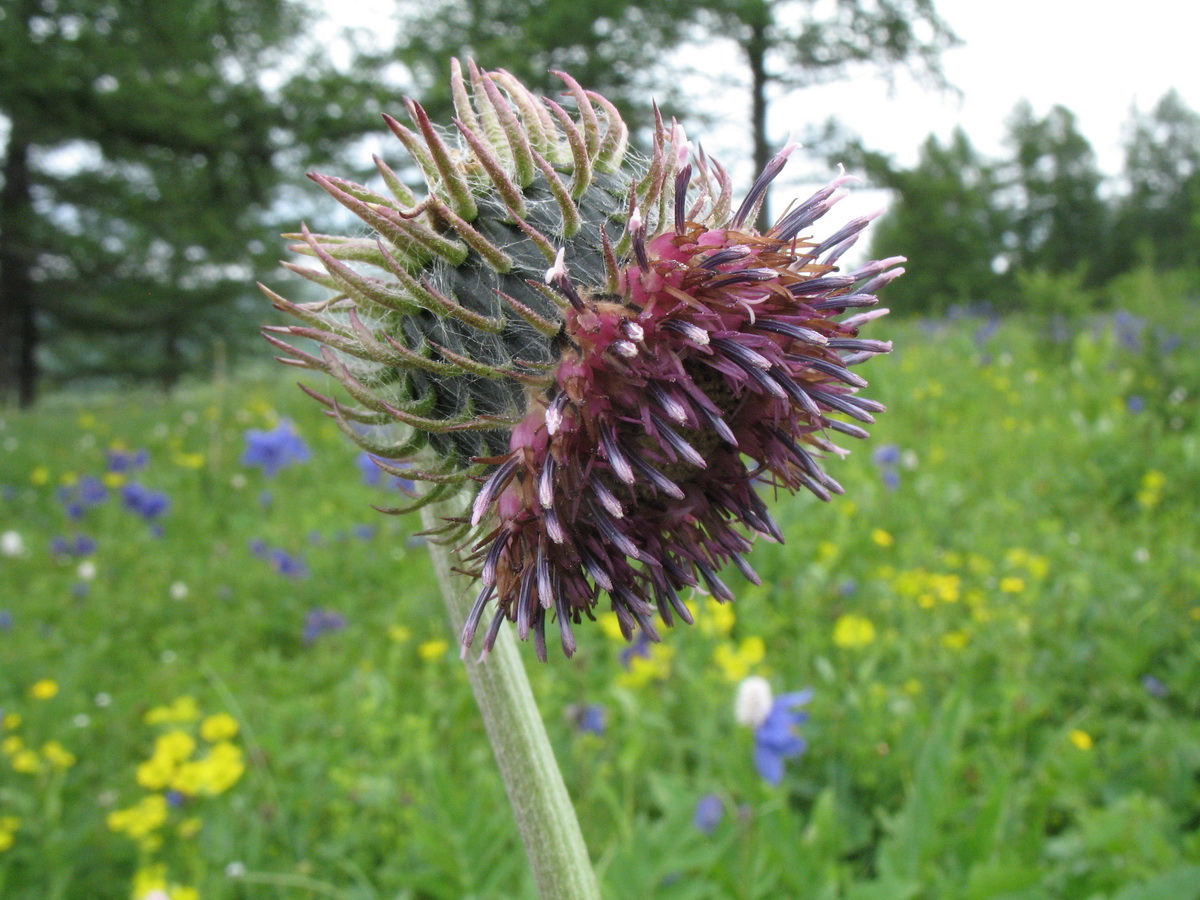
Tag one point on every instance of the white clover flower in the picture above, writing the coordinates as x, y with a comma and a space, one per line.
12, 544
753, 702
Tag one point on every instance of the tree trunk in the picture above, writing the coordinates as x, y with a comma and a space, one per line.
756, 55
18, 323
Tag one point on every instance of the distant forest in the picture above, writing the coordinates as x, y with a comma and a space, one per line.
153, 152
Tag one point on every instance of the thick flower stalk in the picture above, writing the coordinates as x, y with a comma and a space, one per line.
604, 353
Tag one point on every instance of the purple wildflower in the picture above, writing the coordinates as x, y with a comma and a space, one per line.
1155, 687
78, 498
710, 810
122, 461
286, 564
611, 413
373, 475
275, 450
322, 621
6, 620
78, 545
1128, 329
147, 503
639, 646
1135, 403
776, 740
887, 458
589, 717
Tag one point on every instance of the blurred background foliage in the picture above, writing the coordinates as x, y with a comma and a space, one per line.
151, 150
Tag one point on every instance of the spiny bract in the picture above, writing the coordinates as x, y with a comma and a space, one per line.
606, 352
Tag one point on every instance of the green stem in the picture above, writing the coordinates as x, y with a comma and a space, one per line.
541, 805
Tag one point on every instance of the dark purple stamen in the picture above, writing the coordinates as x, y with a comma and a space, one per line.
759, 189
655, 477
616, 459
678, 444
799, 332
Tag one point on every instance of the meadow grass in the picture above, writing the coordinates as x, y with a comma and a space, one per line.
999, 622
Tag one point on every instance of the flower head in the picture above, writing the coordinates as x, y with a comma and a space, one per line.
608, 354
276, 449
145, 502
776, 738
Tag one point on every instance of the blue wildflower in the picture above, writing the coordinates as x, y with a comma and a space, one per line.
639, 646
589, 717
1155, 687
78, 498
6, 620
275, 450
1128, 329
710, 810
92, 491
775, 739
127, 460
373, 475
79, 545
322, 621
887, 458
287, 565
147, 503
1135, 403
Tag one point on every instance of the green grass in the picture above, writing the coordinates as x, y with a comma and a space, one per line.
996, 737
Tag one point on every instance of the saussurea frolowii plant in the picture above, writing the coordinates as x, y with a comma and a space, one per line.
594, 361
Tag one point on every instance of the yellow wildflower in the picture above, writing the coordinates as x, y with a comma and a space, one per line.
114, 479
882, 538
175, 745
736, 662
8, 831
190, 827
182, 709
39, 476
611, 626
12, 721
149, 879
955, 640
431, 650
218, 727
645, 669
1151, 492
156, 772
26, 762
44, 689
399, 633
1081, 739
851, 631
188, 460
58, 755
717, 619
12, 745
1011, 584
138, 821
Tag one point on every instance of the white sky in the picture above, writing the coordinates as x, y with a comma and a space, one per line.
1098, 59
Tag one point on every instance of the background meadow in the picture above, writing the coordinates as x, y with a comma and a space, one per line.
221, 680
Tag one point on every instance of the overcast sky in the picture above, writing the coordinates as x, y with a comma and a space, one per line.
1096, 59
